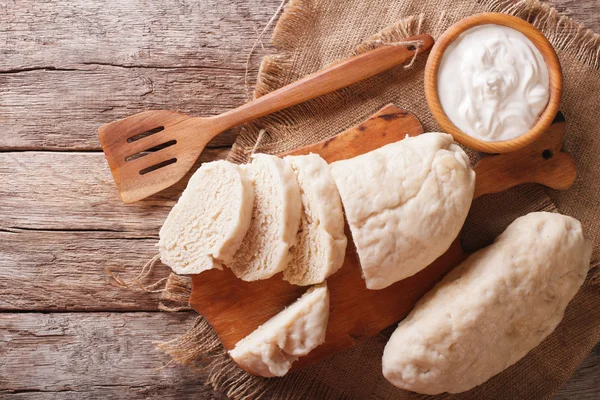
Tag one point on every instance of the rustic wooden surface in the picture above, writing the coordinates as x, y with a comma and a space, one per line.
66, 68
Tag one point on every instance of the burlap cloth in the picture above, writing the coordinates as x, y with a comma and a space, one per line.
313, 33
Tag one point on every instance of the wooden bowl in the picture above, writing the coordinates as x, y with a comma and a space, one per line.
549, 55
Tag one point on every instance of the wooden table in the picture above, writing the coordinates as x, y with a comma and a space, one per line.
66, 68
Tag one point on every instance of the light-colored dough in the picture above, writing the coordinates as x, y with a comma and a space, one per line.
321, 244
272, 348
405, 204
206, 226
265, 250
492, 309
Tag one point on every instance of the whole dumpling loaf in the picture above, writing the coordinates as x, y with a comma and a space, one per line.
492, 309
206, 226
405, 203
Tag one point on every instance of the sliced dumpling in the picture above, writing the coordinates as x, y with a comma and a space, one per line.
321, 244
492, 309
405, 203
206, 226
265, 250
272, 348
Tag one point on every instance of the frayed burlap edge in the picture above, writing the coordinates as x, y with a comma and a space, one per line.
176, 294
200, 347
393, 34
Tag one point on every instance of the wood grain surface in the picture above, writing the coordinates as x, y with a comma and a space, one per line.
93, 356
66, 68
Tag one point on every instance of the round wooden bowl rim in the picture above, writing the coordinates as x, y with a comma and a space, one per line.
555, 82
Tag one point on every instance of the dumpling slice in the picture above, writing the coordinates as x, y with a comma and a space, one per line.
206, 226
321, 245
266, 249
272, 348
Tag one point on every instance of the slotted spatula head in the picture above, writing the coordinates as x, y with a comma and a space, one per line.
152, 150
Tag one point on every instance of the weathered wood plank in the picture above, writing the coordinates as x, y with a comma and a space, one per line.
45, 109
94, 358
185, 390
585, 382
62, 109
170, 33
93, 355
586, 12
66, 67
65, 271
76, 191
112, 354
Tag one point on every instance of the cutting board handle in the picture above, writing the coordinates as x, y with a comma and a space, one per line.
540, 162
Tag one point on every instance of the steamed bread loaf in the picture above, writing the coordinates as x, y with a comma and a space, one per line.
321, 242
206, 226
405, 203
492, 309
265, 249
272, 348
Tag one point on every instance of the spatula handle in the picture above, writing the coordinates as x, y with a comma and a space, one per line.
327, 80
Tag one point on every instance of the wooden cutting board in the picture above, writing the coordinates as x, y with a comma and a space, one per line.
235, 308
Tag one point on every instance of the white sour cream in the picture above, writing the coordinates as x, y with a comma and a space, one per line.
493, 83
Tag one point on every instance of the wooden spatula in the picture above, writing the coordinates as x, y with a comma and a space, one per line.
152, 150
235, 308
